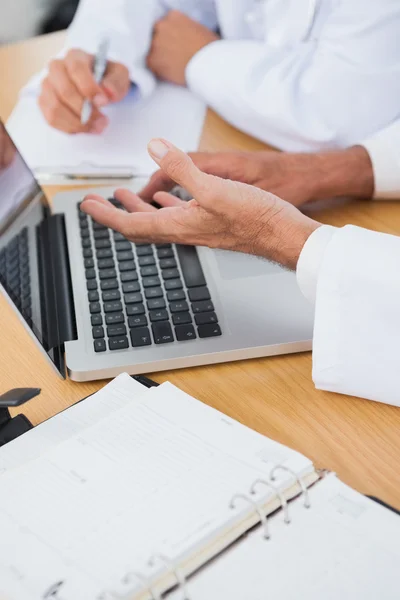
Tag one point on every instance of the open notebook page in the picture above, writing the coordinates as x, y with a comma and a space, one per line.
155, 476
345, 547
171, 112
116, 394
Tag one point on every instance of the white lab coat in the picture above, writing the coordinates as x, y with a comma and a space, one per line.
353, 276
298, 74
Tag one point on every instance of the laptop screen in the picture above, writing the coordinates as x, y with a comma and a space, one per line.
22, 208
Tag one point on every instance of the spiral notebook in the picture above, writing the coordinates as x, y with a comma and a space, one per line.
164, 496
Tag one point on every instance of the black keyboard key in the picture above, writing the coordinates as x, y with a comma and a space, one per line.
85, 234
93, 296
129, 276
118, 343
97, 332
170, 273
203, 306
104, 253
109, 284
134, 298
158, 315
118, 237
114, 318
87, 253
204, 318
173, 284
162, 332
191, 266
181, 318
89, 263
144, 250
151, 282
155, 303
167, 263
206, 331
101, 234
99, 345
145, 261
200, 293
98, 226
140, 336
154, 292
94, 308
149, 271
124, 255
137, 321
111, 295
135, 309
128, 265
107, 274
131, 286
165, 253
123, 246
105, 263
90, 274
114, 306
91, 285
116, 330
185, 332
96, 320
176, 295
163, 246
101, 244
179, 306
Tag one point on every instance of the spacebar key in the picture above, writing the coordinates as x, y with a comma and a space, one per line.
191, 266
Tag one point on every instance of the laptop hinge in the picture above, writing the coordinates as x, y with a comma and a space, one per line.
58, 310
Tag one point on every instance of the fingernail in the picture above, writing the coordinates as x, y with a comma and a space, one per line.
158, 148
100, 100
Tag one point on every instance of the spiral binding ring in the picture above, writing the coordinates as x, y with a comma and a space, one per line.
180, 578
147, 587
278, 492
304, 490
261, 514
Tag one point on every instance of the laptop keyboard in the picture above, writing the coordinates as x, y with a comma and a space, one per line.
143, 294
14, 272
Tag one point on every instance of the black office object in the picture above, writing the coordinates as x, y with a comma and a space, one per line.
13, 427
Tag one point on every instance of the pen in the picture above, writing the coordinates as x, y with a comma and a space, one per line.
99, 69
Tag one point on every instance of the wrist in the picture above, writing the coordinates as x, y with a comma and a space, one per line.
346, 172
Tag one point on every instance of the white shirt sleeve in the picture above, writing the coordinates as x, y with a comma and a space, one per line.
357, 317
332, 90
384, 150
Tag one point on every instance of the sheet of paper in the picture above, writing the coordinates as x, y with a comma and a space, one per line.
156, 475
345, 547
171, 112
119, 392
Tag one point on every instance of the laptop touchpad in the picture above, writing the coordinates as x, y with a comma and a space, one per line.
235, 265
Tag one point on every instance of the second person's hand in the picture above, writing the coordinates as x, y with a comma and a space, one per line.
70, 81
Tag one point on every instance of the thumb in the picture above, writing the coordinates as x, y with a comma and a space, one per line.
115, 84
181, 169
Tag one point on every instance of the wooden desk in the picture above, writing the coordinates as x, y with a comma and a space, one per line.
359, 440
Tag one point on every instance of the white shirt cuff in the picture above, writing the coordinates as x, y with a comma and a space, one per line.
310, 261
383, 150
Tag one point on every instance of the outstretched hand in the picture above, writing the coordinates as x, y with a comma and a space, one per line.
223, 214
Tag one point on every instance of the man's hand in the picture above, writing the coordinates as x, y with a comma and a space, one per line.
70, 82
176, 39
224, 214
297, 178
7, 149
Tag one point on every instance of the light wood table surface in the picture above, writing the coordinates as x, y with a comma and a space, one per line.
360, 440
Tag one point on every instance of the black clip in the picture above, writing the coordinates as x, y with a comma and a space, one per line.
13, 427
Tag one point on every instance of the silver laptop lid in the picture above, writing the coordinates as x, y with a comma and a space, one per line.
28, 264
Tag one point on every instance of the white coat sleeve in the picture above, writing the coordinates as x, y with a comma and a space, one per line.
357, 316
384, 151
338, 87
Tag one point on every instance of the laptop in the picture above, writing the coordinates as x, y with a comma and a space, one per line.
98, 305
